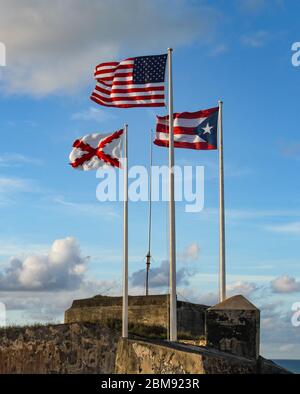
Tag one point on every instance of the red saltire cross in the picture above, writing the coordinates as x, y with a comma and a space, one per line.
113, 161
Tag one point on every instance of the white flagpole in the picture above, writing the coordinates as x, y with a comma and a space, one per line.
173, 298
148, 257
125, 239
222, 279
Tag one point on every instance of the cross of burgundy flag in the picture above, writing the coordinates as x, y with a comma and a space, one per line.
192, 130
94, 151
134, 82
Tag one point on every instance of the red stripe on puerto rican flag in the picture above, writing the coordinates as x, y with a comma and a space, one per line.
191, 115
161, 128
187, 145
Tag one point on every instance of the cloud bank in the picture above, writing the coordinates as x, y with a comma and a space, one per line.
285, 284
61, 268
159, 276
191, 252
53, 46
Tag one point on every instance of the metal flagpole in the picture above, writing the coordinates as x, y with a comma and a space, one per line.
125, 240
222, 279
173, 298
148, 257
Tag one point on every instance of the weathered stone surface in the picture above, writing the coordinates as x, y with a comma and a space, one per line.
89, 345
88, 348
268, 367
237, 302
234, 326
145, 357
100, 300
150, 311
63, 348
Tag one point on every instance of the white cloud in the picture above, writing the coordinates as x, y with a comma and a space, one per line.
94, 114
257, 214
10, 186
54, 46
27, 307
235, 215
96, 209
286, 348
277, 332
271, 314
190, 253
61, 268
285, 284
256, 6
16, 247
211, 298
288, 228
40, 287
159, 276
17, 160
218, 50
252, 5
232, 170
241, 287
192, 294
240, 214
290, 151
256, 39
13, 184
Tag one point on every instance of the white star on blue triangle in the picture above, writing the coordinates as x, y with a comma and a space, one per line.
207, 130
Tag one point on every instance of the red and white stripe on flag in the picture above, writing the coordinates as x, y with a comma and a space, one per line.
185, 130
95, 150
116, 87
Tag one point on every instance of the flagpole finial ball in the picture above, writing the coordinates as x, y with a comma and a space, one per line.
220, 101
170, 49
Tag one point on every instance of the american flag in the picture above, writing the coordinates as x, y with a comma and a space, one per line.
134, 82
192, 130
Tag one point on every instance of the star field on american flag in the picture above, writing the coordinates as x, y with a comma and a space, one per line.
149, 69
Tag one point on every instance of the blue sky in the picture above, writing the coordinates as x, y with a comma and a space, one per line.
239, 51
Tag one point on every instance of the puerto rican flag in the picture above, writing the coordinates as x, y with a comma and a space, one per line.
192, 130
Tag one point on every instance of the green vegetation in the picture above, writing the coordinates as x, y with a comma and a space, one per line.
137, 330
144, 331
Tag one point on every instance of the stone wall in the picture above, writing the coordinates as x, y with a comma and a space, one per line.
234, 326
88, 348
141, 357
63, 348
150, 311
